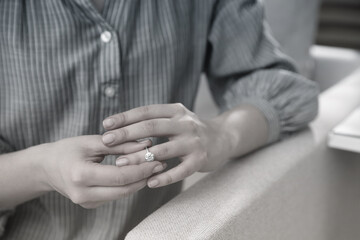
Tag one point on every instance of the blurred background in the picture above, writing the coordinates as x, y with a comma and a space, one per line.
339, 23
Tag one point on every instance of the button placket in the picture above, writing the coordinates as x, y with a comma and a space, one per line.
109, 70
109, 67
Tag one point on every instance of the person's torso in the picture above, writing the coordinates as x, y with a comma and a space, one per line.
61, 75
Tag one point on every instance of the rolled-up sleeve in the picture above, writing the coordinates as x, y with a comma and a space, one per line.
244, 64
4, 214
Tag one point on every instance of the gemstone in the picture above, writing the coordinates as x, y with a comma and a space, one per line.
149, 156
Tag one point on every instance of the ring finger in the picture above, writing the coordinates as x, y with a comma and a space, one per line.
164, 151
149, 128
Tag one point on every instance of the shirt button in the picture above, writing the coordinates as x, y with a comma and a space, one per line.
110, 92
105, 36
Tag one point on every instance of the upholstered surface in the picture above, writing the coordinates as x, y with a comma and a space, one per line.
296, 189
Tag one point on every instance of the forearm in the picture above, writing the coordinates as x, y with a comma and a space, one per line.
21, 176
245, 129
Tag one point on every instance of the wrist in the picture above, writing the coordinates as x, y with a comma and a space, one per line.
219, 145
37, 157
229, 135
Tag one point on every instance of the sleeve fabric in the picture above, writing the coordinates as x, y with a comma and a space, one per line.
4, 214
244, 64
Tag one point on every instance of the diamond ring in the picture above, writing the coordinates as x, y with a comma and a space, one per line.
149, 156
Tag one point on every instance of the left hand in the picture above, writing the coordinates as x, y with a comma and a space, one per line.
200, 145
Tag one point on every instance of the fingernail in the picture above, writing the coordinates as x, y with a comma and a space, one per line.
153, 183
145, 141
108, 123
158, 168
122, 162
108, 138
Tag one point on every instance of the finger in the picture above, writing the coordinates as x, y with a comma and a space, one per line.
149, 128
96, 144
105, 194
108, 175
127, 148
183, 170
161, 152
143, 113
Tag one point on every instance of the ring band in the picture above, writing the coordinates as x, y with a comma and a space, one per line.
149, 156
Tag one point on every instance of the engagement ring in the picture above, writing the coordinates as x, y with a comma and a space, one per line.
149, 156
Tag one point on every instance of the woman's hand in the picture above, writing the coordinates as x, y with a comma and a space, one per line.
200, 145
72, 167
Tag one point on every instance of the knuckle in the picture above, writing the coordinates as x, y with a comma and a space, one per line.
192, 114
193, 126
94, 145
145, 110
179, 105
197, 142
180, 108
168, 178
121, 118
123, 133
78, 177
190, 124
150, 126
77, 197
201, 157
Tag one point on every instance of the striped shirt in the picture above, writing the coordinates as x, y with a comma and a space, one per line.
64, 67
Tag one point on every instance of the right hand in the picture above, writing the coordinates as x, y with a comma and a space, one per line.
72, 167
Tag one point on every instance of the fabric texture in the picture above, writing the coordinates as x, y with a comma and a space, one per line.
99, 4
64, 67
